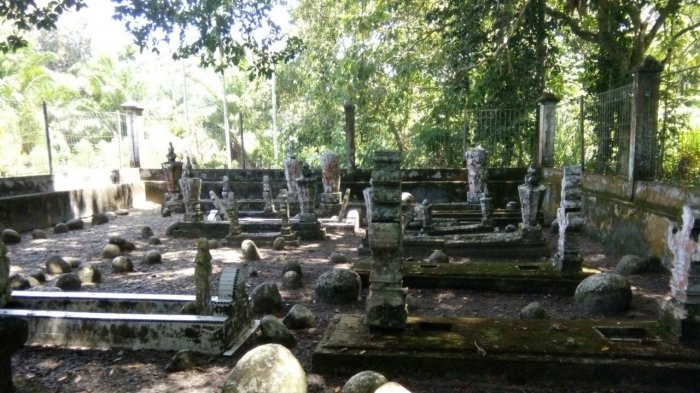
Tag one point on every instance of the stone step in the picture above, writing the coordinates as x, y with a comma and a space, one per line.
205, 334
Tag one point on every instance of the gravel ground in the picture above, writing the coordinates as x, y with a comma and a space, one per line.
40, 369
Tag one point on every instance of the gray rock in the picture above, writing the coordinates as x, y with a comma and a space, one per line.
146, 232
603, 293
265, 298
99, 219
273, 331
299, 317
39, 276
632, 264
69, 282
337, 257
512, 205
10, 236
438, 256
181, 361
364, 382
338, 286
392, 387
39, 234
510, 228
214, 244
154, 241
269, 368
111, 251
278, 244
122, 264
121, 212
89, 274
152, 257
292, 265
60, 228
533, 310
123, 244
111, 216
73, 262
407, 198
75, 223
18, 282
291, 280
55, 264
250, 250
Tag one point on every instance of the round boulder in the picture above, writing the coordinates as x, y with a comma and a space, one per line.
338, 286
39, 234
337, 257
265, 298
214, 244
18, 282
75, 223
73, 262
152, 257
269, 368
250, 250
123, 244
69, 282
278, 243
392, 387
533, 310
122, 264
291, 280
146, 232
89, 274
99, 219
273, 331
111, 251
603, 293
55, 264
299, 317
181, 361
154, 241
632, 264
510, 228
292, 265
438, 256
10, 236
407, 198
364, 382
60, 228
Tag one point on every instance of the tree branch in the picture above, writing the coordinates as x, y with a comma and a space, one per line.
675, 38
671, 7
572, 23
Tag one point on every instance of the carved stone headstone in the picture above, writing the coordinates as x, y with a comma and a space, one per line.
191, 187
202, 277
531, 194
570, 219
486, 203
330, 177
225, 187
172, 171
290, 237
680, 314
386, 303
477, 172
309, 226
292, 171
267, 195
232, 215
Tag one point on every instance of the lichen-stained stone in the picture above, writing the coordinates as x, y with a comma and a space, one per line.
269, 368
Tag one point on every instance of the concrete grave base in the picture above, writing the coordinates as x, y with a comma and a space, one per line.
512, 277
546, 351
481, 245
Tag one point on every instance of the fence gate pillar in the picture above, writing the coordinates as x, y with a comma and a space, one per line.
133, 113
644, 120
547, 129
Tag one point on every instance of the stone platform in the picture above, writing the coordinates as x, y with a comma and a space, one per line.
479, 245
513, 277
533, 351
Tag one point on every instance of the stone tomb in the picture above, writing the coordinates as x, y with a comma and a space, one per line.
138, 321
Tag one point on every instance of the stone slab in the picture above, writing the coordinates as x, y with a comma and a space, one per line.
479, 245
544, 351
511, 277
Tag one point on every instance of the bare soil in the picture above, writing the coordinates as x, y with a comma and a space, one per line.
39, 369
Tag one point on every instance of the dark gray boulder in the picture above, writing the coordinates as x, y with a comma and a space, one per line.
299, 317
265, 298
181, 361
60, 228
533, 310
55, 264
10, 236
75, 223
152, 257
338, 286
337, 257
146, 232
632, 264
292, 265
603, 293
364, 382
123, 244
291, 280
154, 241
99, 219
39, 234
273, 331
18, 282
278, 244
69, 282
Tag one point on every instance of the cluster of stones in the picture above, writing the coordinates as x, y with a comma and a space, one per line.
570, 220
680, 313
531, 194
386, 303
191, 187
172, 171
330, 177
477, 173
309, 226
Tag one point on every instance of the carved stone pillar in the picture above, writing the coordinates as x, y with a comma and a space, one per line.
477, 172
191, 187
309, 226
292, 171
202, 277
172, 171
531, 194
267, 195
330, 176
386, 303
232, 210
570, 219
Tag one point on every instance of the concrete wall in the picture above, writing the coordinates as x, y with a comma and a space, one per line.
45, 209
26, 185
631, 217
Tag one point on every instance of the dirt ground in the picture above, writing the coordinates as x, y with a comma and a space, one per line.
38, 369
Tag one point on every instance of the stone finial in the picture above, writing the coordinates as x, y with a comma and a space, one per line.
532, 179
202, 276
171, 153
189, 171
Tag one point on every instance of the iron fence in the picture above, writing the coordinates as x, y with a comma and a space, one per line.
508, 134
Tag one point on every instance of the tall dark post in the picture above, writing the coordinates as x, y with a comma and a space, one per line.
644, 120
240, 126
350, 134
547, 129
133, 131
